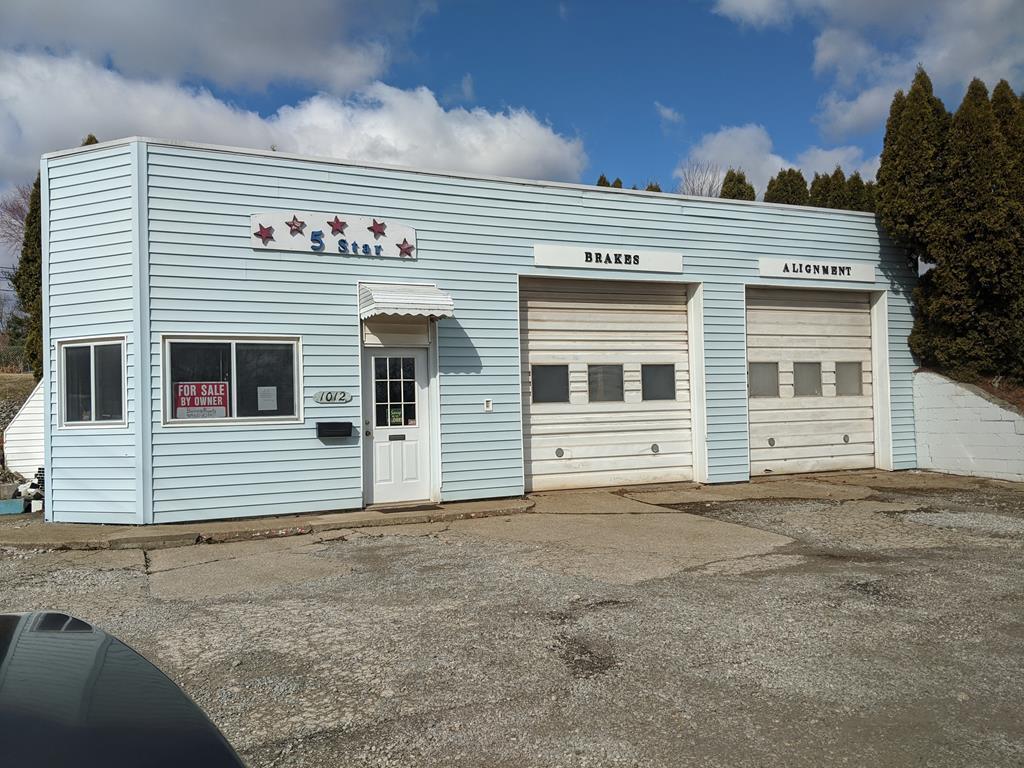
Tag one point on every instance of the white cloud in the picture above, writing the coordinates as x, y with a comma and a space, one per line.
667, 115
749, 147
378, 124
758, 13
336, 45
871, 48
563, 11
464, 92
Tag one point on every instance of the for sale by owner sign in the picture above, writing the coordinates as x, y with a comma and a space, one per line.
201, 400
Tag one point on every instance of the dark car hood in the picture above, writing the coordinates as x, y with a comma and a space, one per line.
70, 694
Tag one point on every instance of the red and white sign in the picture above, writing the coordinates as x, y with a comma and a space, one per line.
201, 400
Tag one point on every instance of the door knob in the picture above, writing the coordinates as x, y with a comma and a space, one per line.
368, 433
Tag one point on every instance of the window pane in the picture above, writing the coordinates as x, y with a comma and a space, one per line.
395, 367
409, 391
265, 382
807, 379
200, 373
396, 415
849, 379
658, 382
408, 368
382, 415
77, 384
410, 415
550, 383
109, 383
764, 379
605, 383
380, 367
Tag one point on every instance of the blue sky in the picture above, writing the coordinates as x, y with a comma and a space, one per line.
539, 89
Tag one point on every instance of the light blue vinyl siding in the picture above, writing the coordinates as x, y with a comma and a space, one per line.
88, 293
475, 239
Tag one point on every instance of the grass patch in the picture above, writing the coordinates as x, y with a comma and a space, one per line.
16, 387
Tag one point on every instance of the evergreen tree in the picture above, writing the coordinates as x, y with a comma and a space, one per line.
653, 186
970, 307
617, 183
788, 186
736, 187
909, 184
602, 181
820, 193
870, 197
1009, 112
855, 192
839, 195
27, 279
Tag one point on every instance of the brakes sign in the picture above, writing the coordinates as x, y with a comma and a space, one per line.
201, 400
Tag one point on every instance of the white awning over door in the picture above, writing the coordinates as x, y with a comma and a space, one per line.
403, 299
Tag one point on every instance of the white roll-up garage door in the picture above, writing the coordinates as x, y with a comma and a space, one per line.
605, 381
809, 378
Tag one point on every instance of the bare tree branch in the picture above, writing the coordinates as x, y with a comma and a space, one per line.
13, 209
700, 178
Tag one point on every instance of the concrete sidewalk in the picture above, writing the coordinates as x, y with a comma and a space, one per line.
32, 532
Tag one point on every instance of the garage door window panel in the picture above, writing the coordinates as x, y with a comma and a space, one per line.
764, 379
604, 383
807, 379
550, 383
658, 382
849, 379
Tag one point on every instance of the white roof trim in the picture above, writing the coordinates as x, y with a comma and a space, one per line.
404, 299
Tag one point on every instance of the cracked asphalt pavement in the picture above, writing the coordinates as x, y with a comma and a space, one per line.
859, 618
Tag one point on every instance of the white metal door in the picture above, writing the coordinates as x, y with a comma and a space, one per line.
818, 341
396, 430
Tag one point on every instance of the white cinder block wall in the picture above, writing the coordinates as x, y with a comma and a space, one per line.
963, 431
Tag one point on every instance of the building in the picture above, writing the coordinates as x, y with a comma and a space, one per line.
235, 332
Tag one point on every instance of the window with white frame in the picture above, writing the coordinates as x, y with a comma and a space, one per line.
92, 382
231, 379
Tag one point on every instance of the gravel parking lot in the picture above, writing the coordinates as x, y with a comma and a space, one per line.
852, 619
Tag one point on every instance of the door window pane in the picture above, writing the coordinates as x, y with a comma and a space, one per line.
550, 383
849, 379
109, 382
265, 379
807, 379
658, 382
77, 384
604, 383
764, 379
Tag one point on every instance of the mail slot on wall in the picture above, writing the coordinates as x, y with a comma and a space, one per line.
334, 429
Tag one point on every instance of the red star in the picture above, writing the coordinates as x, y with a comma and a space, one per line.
266, 234
337, 226
377, 228
295, 225
405, 248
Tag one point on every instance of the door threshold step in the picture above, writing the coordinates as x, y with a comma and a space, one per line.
408, 506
